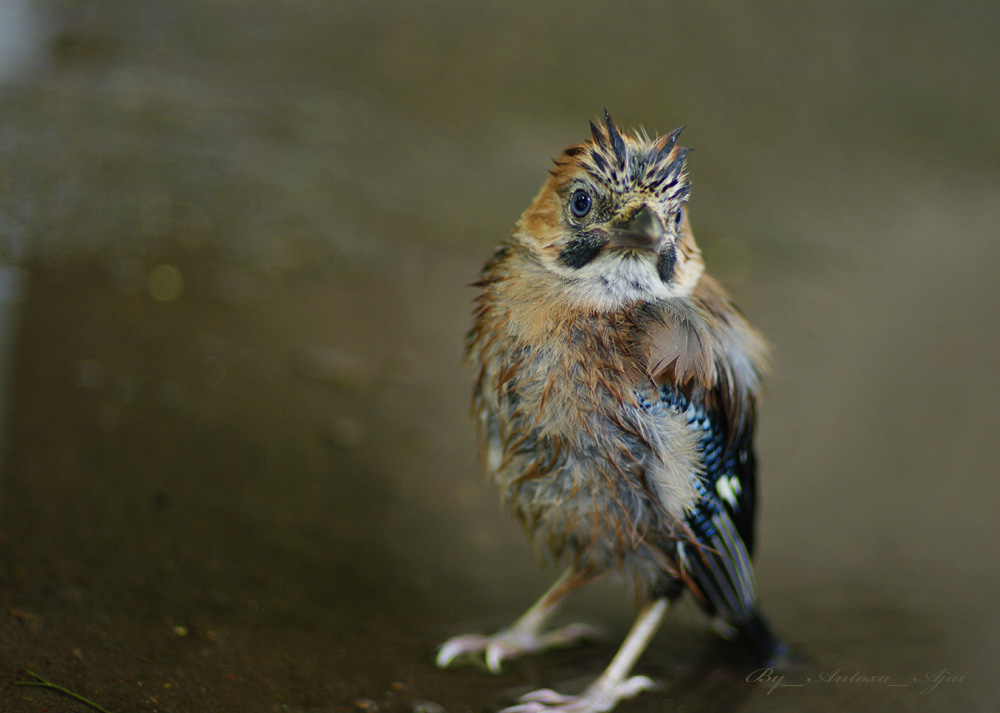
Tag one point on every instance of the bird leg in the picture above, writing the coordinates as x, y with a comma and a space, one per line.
611, 686
525, 635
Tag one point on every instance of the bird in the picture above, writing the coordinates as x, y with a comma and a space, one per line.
615, 396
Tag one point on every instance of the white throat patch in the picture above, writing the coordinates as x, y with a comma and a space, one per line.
612, 281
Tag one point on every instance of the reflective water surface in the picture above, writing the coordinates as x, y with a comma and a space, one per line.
238, 473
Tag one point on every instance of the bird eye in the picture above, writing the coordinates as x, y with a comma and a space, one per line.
580, 203
678, 217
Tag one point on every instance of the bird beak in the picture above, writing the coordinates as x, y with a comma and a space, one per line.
643, 231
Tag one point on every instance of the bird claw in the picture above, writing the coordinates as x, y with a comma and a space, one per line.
510, 643
546, 696
596, 699
458, 646
632, 687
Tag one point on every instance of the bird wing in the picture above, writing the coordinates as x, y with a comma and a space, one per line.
715, 559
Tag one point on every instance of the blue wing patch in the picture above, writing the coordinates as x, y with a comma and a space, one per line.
716, 562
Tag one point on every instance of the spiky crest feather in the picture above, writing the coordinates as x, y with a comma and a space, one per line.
652, 166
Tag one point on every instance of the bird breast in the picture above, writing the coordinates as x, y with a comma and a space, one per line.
579, 455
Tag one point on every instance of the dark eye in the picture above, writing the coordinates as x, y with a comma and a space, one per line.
678, 217
580, 203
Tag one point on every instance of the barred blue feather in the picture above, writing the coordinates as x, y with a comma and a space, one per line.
715, 563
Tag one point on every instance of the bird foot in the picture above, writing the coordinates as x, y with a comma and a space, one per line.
596, 699
510, 643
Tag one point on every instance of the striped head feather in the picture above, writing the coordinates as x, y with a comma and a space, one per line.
609, 224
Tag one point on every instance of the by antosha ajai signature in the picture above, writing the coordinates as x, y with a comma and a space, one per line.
924, 683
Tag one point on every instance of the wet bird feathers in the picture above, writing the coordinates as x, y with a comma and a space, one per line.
591, 471
615, 394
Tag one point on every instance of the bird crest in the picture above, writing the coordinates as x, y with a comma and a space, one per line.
623, 160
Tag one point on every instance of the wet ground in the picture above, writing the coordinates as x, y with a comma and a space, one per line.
237, 470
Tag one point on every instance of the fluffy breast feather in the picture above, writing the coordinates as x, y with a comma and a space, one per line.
582, 463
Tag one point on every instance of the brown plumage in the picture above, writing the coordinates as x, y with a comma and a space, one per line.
613, 376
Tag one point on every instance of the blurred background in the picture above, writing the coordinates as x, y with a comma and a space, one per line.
235, 239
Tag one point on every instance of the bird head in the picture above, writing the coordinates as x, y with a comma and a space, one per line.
609, 224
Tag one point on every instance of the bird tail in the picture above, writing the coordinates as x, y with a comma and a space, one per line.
771, 651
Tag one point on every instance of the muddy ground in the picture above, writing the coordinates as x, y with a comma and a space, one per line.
237, 470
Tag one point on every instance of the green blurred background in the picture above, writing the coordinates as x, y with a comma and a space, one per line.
235, 239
